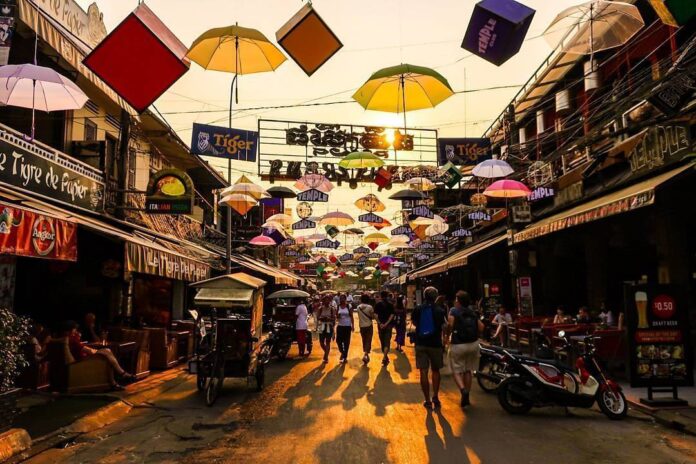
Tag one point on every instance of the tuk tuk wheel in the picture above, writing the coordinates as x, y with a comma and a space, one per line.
217, 376
260, 377
200, 381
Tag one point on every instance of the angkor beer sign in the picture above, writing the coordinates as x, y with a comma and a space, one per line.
291, 149
32, 169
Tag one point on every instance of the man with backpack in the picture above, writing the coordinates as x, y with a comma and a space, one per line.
465, 326
429, 320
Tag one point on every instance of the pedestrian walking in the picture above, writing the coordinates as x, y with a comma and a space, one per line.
366, 314
400, 322
345, 327
327, 321
465, 327
301, 328
385, 319
430, 321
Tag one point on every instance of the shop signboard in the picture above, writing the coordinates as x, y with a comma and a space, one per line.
461, 232
326, 243
361, 250
313, 195
463, 151
170, 191
479, 216
439, 238
304, 224
224, 142
402, 230
660, 146
524, 293
30, 234
521, 214
31, 169
146, 260
657, 321
370, 217
288, 242
541, 193
347, 257
422, 211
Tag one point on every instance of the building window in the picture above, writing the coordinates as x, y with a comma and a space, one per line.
90, 131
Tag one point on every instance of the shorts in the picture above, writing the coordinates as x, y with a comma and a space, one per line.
366, 335
327, 335
464, 357
429, 357
385, 336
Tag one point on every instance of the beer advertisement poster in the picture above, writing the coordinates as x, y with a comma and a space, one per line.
658, 337
223, 142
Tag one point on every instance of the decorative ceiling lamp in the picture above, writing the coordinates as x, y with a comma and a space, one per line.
497, 29
308, 40
140, 46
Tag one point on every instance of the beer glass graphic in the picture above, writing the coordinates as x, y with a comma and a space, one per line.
642, 308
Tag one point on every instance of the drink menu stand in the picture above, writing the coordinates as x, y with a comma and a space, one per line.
664, 402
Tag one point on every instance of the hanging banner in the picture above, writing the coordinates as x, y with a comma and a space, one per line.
313, 195
146, 260
347, 257
370, 217
223, 142
304, 224
479, 216
326, 243
170, 191
361, 250
439, 238
422, 211
402, 230
540, 193
30, 234
288, 242
463, 151
461, 233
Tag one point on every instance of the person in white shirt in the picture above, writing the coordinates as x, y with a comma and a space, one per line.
301, 325
501, 321
606, 315
366, 314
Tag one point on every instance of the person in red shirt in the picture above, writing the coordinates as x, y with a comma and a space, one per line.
80, 351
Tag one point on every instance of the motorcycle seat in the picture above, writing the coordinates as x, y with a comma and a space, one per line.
551, 362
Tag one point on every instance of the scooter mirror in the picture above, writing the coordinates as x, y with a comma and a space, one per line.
561, 333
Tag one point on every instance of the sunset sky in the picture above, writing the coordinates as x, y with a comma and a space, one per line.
375, 34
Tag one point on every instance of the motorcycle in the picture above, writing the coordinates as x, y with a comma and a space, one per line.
278, 342
534, 382
492, 367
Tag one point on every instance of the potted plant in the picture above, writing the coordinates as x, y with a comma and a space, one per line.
14, 333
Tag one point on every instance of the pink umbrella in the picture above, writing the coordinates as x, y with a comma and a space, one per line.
262, 240
507, 189
314, 181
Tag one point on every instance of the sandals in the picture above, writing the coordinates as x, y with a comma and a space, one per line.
436, 402
427, 405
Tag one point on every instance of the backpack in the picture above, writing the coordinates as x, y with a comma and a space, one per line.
465, 326
426, 322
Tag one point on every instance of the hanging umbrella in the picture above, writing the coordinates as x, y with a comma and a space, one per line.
361, 160
597, 25
281, 192
507, 189
38, 88
253, 190
386, 259
398, 242
272, 225
403, 88
492, 169
314, 181
287, 294
337, 218
354, 231
376, 237
370, 203
317, 237
408, 194
424, 221
284, 219
421, 184
262, 240
380, 225
239, 202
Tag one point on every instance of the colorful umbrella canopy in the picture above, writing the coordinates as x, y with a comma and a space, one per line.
235, 49
424, 221
38, 88
408, 194
288, 293
395, 243
281, 192
370, 203
492, 169
337, 218
253, 190
403, 88
284, 219
421, 184
361, 160
507, 189
239, 202
262, 240
595, 26
314, 181
376, 237
316, 237
354, 231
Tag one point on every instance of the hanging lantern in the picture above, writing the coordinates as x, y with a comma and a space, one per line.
479, 199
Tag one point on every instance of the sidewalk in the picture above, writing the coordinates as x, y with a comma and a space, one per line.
678, 418
52, 419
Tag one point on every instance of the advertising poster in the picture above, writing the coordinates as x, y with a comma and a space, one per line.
658, 337
26, 233
463, 151
223, 142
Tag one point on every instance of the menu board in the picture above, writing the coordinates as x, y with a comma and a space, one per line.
658, 336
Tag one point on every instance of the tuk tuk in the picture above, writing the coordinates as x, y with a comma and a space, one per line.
229, 328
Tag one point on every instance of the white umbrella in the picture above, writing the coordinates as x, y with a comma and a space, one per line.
38, 88
284, 219
492, 169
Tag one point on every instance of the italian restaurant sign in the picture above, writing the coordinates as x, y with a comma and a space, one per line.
223, 142
146, 260
30, 234
31, 169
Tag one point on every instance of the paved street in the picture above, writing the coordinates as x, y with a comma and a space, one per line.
353, 414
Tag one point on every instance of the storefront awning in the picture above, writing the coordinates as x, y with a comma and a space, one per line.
224, 297
260, 267
456, 260
625, 200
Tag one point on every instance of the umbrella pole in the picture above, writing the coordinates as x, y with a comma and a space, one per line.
228, 247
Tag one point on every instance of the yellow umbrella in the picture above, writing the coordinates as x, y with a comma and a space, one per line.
239, 202
370, 203
283, 219
420, 183
376, 237
253, 190
361, 160
336, 218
